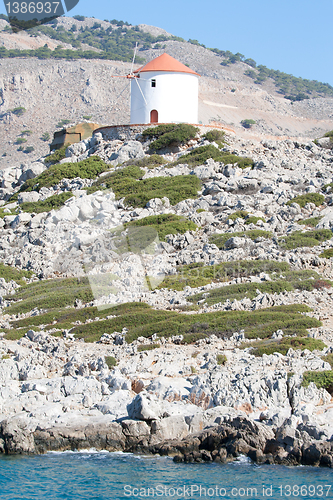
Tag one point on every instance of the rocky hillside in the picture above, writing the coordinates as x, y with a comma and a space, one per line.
38, 93
164, 283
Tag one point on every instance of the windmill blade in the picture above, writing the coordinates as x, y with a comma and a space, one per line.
136, 48
141, 91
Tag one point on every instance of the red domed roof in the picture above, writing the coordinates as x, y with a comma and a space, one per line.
166, 63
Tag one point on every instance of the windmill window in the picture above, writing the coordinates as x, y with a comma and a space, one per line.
153, 83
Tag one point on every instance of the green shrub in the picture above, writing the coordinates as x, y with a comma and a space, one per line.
220, 239
147, 347
300, 280
327, 254
11, 273
323, 379
86, 117
313, 221
214, 135
29, 149
282, 346
316, 198
159, 130
327, 186
150, 161
20, 140
49, 294
57, 156
328, 358
306, 239
199, 155
180, 134
26, 132
110, 361
19, 111
86, 169
221, 359
62, 123
248, 123
45, 137
165, 224
125, 184
196, 274
252, 219
53, 202
240, 214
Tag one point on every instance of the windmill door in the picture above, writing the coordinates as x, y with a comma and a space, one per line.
153, 116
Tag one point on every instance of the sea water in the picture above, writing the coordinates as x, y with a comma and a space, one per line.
92, 475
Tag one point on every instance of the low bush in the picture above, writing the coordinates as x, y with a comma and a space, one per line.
293, 280
85, 169
220, 239
127, 183
322, 379
248, 123
110, 361
305, 239
19, 111
49, 294
282, 346
215, 135
313, 221
165, 224
53, 202
327, 254
330, 185
9, 273
199, 155
181, 134
316, 198
57, 156
147, 347
150, 161
20, 140
240, 214
159, 130
196, 274
328, 358
252, 219
221, 359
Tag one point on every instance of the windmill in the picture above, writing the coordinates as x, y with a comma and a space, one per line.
164, 90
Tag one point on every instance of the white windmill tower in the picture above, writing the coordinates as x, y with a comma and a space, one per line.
164, 91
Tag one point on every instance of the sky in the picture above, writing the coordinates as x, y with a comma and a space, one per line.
288, 35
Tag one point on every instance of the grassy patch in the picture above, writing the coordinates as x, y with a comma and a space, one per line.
165, 224
199, 155
300, 280
110, 361
177, 134
57, 156
220, 239
196, 274
150, 161
85, 169
146, 322
128, 183
49, 294
240, 214
221, 359
53, 202
252, 219
147, 347
305, 239
282, 346
11, 273
327, 254
313, 221
215, 135
316, 198
323, 379
329, 359
326, 186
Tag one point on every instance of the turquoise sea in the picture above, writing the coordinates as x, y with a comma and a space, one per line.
94, 475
